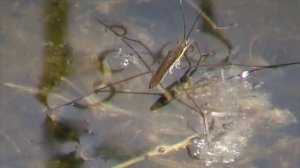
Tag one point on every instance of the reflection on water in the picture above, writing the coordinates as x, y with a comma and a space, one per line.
207, 27
120, 125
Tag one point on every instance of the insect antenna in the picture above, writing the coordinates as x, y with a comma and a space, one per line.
193, 25
184, 23
183, 18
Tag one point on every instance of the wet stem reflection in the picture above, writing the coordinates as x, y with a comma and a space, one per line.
58, 54
57, 65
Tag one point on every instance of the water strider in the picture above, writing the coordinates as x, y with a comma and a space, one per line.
179, 97
173, 59
174, 55
202, 151
169, 62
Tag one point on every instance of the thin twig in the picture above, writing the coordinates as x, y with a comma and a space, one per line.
158, 151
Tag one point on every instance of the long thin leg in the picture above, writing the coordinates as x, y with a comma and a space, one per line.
201, 112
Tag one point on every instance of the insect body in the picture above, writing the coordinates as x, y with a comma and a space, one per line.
172, 58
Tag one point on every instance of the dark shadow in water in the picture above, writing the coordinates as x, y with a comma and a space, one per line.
57, 52
108, 152
207, 28
69, 160
59, 131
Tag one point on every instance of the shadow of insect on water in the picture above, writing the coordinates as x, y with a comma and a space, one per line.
180, 90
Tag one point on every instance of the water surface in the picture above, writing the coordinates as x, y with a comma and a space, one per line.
49, 55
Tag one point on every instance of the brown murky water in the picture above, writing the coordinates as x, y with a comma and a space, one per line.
49, 54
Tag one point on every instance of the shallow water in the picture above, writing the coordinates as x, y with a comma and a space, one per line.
52, 47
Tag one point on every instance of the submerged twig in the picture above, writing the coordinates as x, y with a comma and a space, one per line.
158, 151
13, 144
30, 90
